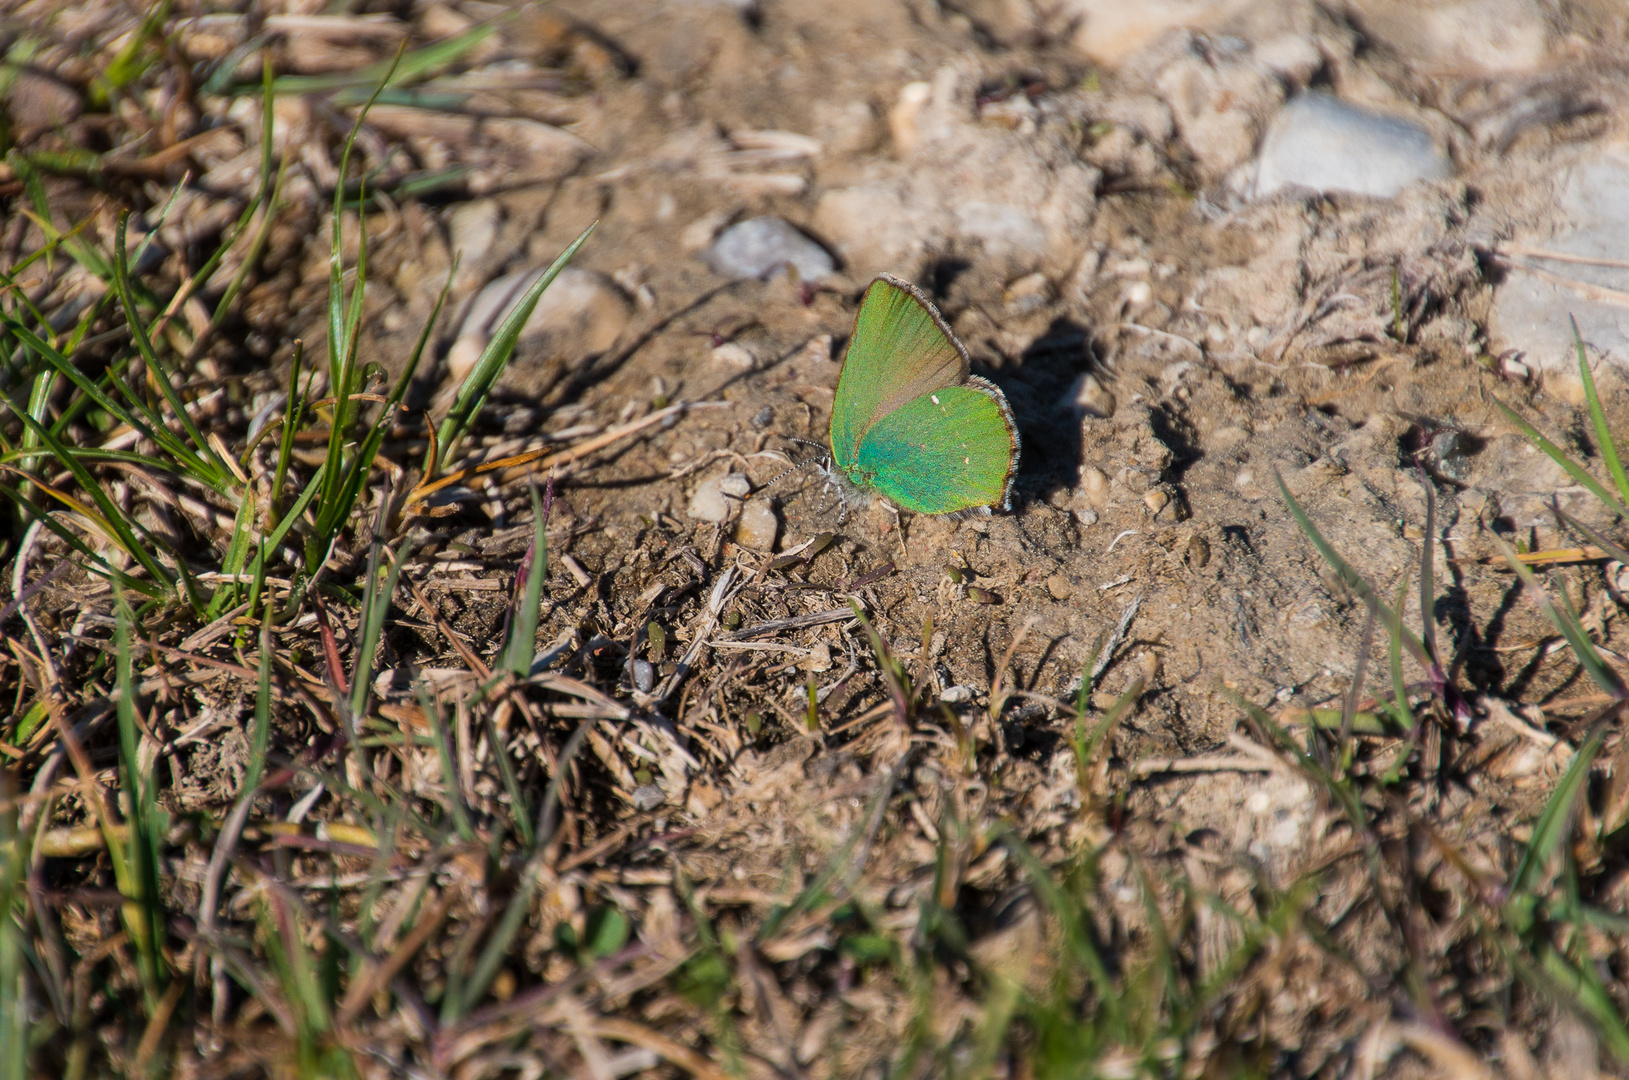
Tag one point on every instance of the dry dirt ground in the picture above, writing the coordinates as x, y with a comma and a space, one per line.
1170, 347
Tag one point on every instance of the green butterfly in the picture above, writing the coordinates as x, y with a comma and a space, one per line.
909, 422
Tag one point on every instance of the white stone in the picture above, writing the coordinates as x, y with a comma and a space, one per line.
1322, 143
762, 247
758, 525
733, 354
711, 501
1532, 309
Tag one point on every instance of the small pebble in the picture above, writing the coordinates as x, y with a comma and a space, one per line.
763, 417
1095, 483
1090, 398
956, 695
758, 525
710, 501
762, 247
1156, 500
1320, 142
647, 797
1059, 587
733, 354
1198, 552
644, 676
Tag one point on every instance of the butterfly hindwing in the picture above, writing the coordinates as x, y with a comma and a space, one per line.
954, 448
901, 350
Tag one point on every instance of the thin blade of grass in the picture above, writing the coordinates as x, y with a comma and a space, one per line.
444, 755
1428, 568
1597, 416
407, 67
1581, 988
1615, 550
1398, 689
375, 607
478, 383
1551, 829
214, 474
114, 519
520, 806
1077, 938
1557, 455
149, 424
1355, 581
96, 565
143, 910
14, 996
523, 627
1566, 621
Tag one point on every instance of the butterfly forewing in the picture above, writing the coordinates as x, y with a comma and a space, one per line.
901, 351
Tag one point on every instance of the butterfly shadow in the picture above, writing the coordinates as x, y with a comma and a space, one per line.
1038, 388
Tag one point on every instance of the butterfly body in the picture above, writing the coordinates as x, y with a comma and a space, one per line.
909, 421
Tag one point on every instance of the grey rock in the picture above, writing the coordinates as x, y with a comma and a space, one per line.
1532, 306
644, 675
762, 247
1320, 142
712, 498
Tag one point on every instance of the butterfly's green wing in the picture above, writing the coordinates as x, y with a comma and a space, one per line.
954, 448
901, 350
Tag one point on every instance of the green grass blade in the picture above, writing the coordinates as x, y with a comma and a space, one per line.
1617, 551
1399, 690
375, 607
237, 553
143, 910
97, 564
1555, 823
497, 947
113, 517
519, 806
517, 656
478, 383
214, 472
449, 769
149, 424
14, 995
1077, 938
293, 416
1566, 621
1581, 988
405, 68
1355, 581
275, 539
1573, 469
1597, 416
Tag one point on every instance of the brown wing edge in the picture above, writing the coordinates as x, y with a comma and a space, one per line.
985, 386
933, 313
